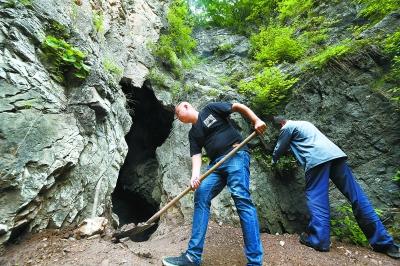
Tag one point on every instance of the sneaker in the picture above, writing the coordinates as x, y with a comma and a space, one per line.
183, 260
392, 251
304, 240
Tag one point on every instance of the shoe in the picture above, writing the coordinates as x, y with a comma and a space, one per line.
183, 260
304, 240
392, 251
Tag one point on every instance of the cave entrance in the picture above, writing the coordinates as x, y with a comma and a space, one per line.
137, 195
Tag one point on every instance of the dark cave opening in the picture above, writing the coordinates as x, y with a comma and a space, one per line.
133, 199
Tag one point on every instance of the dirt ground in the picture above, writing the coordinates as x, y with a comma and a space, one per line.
223, 247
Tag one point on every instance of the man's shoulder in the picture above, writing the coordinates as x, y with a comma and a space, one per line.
298, 123
217, 105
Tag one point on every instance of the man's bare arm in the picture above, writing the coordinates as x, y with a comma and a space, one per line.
196, 165
259, 125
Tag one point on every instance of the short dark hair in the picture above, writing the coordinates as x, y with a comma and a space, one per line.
279, 119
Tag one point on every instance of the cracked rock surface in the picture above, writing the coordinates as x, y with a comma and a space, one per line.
62, 144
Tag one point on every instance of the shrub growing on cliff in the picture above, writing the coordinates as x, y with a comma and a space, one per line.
377, 9
345, 227
64, 58
286, 166
293, 8
269, 90
276, 44
175, 47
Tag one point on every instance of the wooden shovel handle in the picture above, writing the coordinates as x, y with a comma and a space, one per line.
209, 171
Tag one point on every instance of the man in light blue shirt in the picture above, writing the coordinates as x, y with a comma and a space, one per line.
323, 160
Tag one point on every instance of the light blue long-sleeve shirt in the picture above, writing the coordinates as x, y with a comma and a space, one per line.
309, 145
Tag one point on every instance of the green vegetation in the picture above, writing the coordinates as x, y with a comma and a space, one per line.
64, 59
392, 48
377, 9
112, 68
345, 227
175, 47
74, 11
276, 44
396, 177
98, 21
331, 52
269, 90
156, 77
286, 165
234, 79
293, 8
55, 28
224, 48
17, 3
205, 159
293, 31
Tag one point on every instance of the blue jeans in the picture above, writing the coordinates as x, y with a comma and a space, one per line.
234, 173
317, 185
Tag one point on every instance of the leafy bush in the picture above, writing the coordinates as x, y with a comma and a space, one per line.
293, 8
331, 52
64, 59
276, 44
269, 90
285, 167
312, 38
346, 227
238, 15
175, 47
377, 9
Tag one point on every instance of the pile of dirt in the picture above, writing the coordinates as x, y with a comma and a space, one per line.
224, 246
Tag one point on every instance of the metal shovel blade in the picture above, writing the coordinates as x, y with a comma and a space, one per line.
131, 230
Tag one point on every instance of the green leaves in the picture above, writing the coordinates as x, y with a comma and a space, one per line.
289, 9
98, 21
269, 90
64, 58
175, 47
377, 9
396, 177
346, 227
276, 44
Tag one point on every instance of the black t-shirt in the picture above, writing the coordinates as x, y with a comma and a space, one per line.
214, 131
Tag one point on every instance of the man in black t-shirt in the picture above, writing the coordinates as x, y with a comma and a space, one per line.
213, 131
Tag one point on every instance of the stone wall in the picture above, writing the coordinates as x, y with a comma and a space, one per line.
62, 145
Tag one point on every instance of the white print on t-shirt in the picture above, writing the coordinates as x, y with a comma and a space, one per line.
209, 120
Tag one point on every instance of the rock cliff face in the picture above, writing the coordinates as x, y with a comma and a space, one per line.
339, 99
62, 145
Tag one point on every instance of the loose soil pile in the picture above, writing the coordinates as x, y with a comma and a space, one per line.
224, 246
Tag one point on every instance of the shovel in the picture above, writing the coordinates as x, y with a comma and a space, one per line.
132, 229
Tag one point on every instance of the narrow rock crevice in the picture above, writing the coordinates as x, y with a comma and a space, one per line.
137, 195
